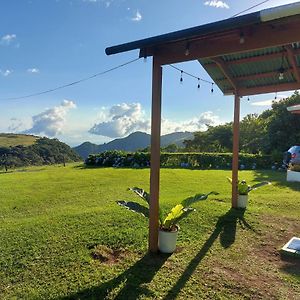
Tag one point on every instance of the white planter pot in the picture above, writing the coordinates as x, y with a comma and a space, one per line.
293, 176
242, 201
167, 241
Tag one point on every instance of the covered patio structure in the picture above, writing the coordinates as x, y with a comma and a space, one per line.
252, 54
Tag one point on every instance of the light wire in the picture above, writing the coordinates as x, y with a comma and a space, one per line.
256, 5
191, 75
72, 83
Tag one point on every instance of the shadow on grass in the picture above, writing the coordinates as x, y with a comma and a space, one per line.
129, 284
226, 229
291, 266
276, 178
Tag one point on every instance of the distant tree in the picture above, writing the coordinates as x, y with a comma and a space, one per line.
282, 127
253, 134
215, 139
170, 148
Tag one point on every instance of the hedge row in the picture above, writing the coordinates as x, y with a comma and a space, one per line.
175, 160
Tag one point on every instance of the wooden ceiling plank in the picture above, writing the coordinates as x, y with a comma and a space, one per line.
292, 59
266, 89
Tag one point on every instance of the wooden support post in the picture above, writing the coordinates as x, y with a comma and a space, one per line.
155, 155
235, 152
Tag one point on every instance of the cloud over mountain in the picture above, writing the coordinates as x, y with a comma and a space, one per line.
122, 119
51, 121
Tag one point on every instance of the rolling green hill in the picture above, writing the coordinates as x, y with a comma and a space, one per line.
12, 140
18, 150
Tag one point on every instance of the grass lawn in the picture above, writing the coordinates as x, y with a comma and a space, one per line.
52, 218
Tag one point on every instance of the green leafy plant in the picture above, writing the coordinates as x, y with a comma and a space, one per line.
176, 214
245, 189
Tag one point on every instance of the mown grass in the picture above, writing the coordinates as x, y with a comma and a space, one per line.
52, 218
12, 140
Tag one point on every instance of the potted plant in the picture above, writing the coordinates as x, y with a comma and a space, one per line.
168, 226
244, 189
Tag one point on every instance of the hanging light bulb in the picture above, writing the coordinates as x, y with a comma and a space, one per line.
187, 49
198, 86
275, 96
242, 38
248, 99
212, 88
281, 73
181, 78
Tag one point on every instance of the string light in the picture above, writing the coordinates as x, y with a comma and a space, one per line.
281, 69
199, 80
242, 38
181, 78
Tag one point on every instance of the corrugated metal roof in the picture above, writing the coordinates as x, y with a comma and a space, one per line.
240, 65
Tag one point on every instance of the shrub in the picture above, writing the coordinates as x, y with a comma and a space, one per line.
176, 160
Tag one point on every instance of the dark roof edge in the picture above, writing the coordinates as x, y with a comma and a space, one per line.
186, 34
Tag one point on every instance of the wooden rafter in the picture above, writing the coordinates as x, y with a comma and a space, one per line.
256, 76
292, 59
266, 89
221, 64
253, 59
246, 60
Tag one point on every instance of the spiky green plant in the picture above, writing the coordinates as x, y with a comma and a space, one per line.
245, 189
176, 214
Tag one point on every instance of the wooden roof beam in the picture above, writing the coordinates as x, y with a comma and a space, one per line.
292, 59
221, 64
265, 89
253, 58
245, 60
262, 75
257, 76
256, 37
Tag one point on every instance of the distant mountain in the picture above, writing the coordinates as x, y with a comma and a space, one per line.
133, 142
18, 150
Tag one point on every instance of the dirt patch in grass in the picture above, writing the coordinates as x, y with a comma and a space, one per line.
261, 268
278, 232
107, 255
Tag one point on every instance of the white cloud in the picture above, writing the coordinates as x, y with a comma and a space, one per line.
33, 70
15, 125
7, 39
51, 122
217, 4
137, 17
268, 102
196, 124
122, 119
107, 3
5, 73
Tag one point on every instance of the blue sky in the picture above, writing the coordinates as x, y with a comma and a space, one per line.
44, 44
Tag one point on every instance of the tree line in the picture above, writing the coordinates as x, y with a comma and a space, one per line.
269, 133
